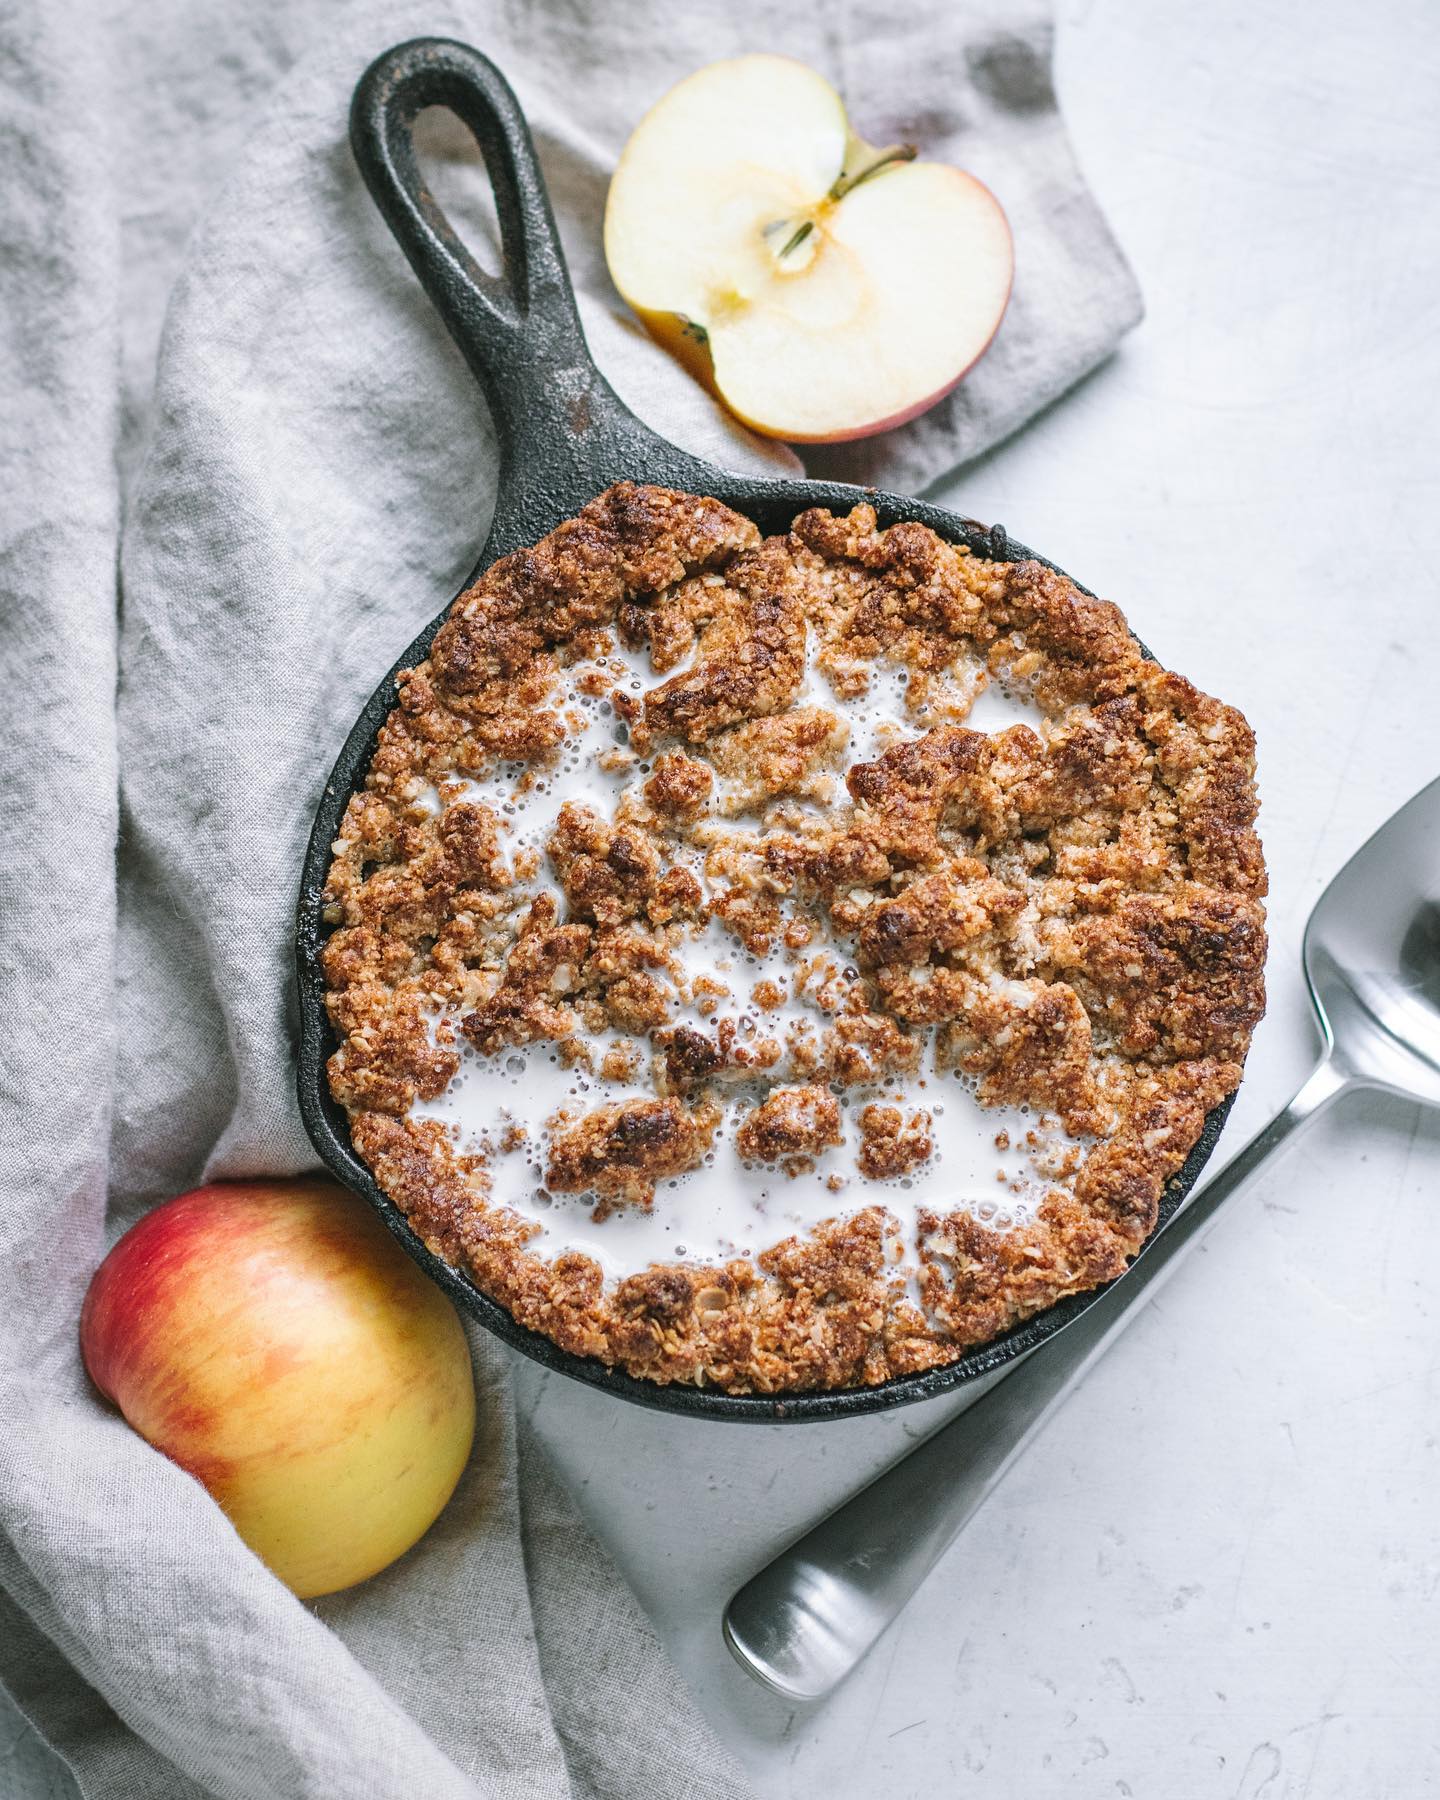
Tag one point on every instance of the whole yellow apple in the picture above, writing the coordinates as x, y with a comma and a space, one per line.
274, 1340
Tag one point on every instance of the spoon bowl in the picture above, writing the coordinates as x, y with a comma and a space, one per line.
1372, 956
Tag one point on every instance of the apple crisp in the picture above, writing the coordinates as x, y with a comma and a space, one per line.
782, 963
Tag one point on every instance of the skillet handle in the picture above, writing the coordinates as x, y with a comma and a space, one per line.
563, 432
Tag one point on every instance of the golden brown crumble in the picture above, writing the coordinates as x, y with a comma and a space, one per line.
619, 1151
1070, 917
891, 1144
790, 1128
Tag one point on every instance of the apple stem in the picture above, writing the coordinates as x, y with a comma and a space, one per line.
883, 159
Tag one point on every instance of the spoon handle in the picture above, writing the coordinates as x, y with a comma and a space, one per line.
811, 1614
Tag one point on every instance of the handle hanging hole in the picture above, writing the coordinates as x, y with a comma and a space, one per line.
452, 166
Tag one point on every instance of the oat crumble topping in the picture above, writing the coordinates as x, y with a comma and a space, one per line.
1065, 918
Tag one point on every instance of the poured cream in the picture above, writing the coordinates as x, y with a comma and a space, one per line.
996, 708
723, 1207
726, 1207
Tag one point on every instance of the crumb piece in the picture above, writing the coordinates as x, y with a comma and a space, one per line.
789, 753
892, 1145
608, 871
679, 786
792, 1126
620, 1151
621, 1062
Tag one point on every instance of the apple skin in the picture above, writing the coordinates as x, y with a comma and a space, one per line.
272, 1339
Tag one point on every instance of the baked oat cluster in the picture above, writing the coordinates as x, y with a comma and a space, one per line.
634, 837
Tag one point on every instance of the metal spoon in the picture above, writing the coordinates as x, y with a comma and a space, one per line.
1372, 960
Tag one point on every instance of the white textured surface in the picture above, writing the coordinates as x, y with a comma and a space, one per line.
1219, 1573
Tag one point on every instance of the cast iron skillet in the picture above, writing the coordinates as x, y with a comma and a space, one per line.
564, 436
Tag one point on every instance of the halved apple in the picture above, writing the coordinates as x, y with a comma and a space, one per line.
822, 288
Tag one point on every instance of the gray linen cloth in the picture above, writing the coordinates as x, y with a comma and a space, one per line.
215, 535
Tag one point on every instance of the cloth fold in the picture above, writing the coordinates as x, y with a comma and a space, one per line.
214, 536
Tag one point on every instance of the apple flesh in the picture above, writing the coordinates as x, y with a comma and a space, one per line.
274, 1340
821, 288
